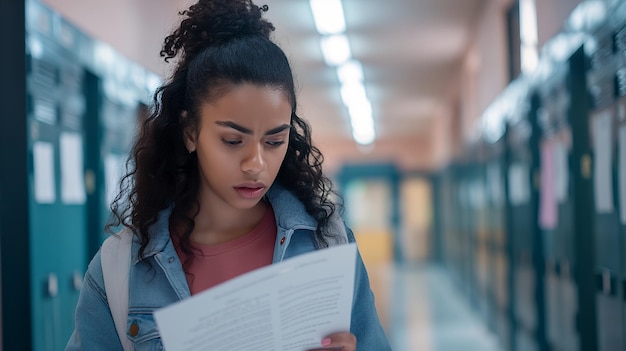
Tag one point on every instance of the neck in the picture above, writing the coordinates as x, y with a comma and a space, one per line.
215, 225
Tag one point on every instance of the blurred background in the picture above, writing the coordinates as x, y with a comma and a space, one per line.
479, 145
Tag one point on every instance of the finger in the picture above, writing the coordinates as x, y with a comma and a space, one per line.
345, 341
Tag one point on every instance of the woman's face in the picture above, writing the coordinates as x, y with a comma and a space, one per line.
241, 140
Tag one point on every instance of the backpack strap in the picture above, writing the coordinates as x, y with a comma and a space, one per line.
115, 260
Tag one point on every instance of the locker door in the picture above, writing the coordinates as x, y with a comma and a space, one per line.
556, 213
447, 216
479, 205
456, 239
57, 197
606, 232
466, 228
620, 167
56, 201
484, 257
110, 131
523, 224
583, 256
498, 247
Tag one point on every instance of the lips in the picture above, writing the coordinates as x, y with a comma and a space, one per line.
250, 191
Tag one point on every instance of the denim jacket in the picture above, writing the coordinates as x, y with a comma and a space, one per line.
160, 280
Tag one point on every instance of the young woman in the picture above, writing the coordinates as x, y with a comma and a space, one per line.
223, 179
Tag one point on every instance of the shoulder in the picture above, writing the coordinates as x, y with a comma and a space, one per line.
107, 255
94, 279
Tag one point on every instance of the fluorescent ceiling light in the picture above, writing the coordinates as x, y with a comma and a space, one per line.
528, 22
353, 93
362, 123
351, 71
328, 16
587, 15
361, 113
331, 24
364, 136
336, 49
528, 35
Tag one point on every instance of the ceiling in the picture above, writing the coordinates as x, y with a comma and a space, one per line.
411, 52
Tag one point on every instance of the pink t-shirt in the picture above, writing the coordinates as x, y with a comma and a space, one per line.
219, 263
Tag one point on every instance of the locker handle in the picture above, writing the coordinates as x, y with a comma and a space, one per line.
52, 285
90, 181
585, 166
606, 283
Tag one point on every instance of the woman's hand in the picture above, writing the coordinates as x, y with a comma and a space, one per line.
338, 341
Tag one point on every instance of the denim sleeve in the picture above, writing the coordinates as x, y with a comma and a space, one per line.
365, 324
94, 328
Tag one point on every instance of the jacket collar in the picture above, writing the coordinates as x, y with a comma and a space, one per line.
290, 215
160, 235
290, 212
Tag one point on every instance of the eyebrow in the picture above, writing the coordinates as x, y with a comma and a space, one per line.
245, 130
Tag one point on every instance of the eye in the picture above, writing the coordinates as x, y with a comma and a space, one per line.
231, 142
275, 143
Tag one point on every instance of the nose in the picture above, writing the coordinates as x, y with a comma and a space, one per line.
253, 162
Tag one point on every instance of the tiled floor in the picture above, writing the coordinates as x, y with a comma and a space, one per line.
422, 310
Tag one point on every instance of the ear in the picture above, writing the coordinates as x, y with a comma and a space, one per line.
189, 133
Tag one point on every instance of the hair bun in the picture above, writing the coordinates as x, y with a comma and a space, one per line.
214, 22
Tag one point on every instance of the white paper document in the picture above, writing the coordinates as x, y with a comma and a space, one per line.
602, 129
519, 184
622, 173
72, 170
288, 306
43, 157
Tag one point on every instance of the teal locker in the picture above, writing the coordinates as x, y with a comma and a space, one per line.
57, 209
465, 231
556, 211
485, 269
82, 115
527, 258
479, 235
620, 89
118, 120
110, 134
498, 246
446, 219
583, 267
452, 225
606, 232
94, 167
459, 242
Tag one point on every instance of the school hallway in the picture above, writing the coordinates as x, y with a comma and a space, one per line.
423, 309
479, 148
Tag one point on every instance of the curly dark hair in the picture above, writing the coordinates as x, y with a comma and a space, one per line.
218, 45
